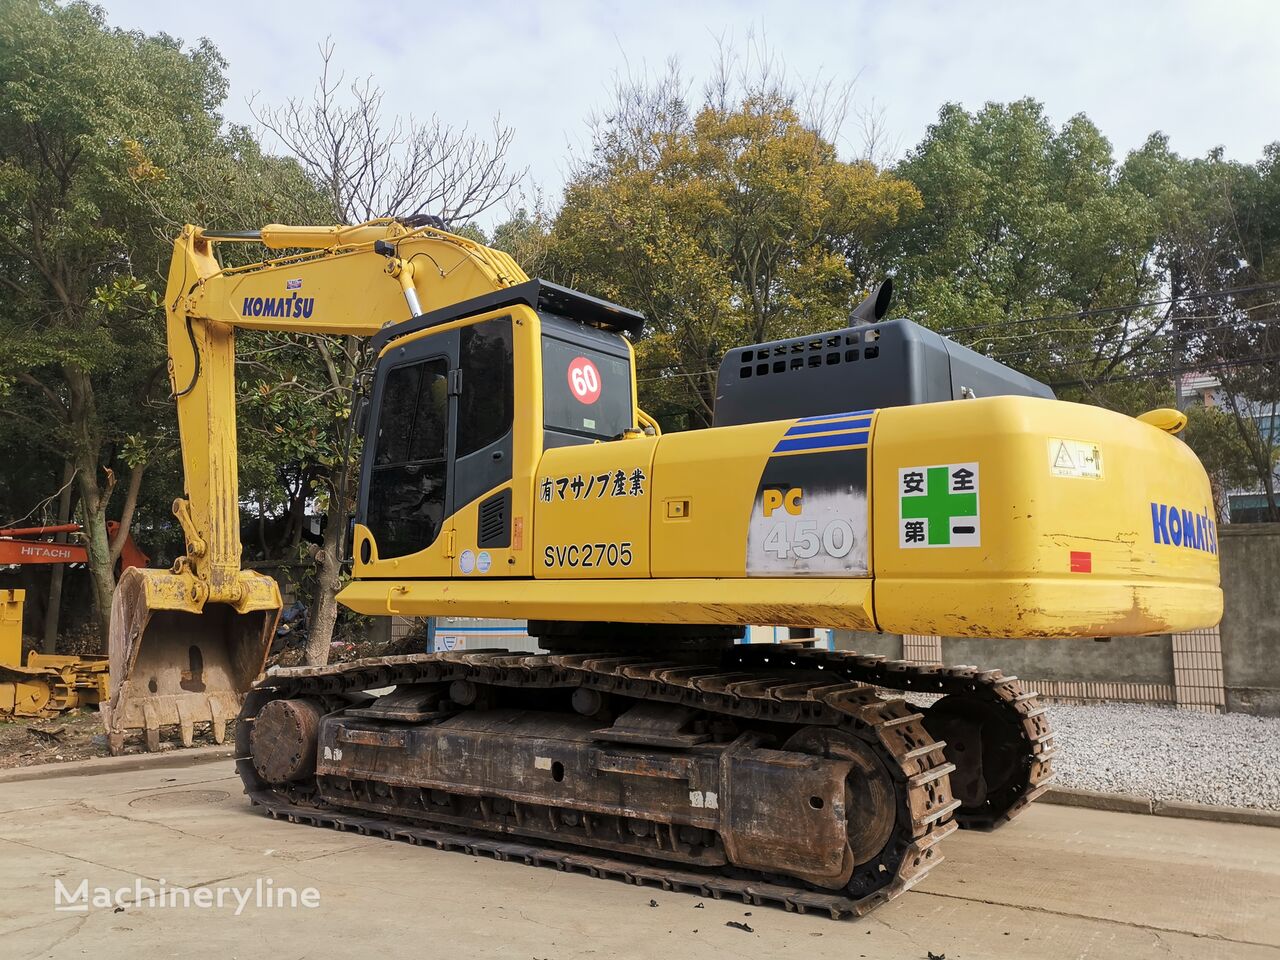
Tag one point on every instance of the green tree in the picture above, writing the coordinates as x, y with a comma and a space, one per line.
526, 236
1024, 221
1218, 247
1212, 434
108, 139
733, 221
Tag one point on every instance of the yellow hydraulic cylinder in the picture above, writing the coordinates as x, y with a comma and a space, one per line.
11, 627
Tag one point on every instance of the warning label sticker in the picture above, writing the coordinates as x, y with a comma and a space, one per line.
1075, 458
938, 506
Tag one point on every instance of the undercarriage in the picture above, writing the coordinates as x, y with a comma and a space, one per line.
777, 775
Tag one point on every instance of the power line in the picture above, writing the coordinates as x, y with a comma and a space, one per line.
1157, 344
1170, 371
1154, 348
695, 373
1086, 381
1061, 365
1008, 357
1095, 311
1004, 338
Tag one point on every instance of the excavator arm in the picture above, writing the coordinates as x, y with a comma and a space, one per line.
187, 643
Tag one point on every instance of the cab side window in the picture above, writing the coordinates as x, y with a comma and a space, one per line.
410, 464
487, 401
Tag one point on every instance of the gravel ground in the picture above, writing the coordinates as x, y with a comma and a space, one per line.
1168, 754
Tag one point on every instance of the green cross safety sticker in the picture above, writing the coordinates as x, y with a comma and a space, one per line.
938, 506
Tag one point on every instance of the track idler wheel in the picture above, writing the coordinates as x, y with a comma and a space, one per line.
986, 749
283, 740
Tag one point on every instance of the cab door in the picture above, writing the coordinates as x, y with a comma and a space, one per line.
408, 477
437, 491
481, 489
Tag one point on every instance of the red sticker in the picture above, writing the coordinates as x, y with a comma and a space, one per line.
584, 380
1081, 561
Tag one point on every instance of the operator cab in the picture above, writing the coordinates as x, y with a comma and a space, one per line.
444, 426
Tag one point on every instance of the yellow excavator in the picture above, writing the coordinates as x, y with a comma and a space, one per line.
878, 477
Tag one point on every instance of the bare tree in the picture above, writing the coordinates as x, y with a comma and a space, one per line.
879, 146
750, 72
371, 167
642, 111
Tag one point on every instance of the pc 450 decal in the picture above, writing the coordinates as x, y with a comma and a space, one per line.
810, 516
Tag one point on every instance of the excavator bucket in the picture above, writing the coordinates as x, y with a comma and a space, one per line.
178, 661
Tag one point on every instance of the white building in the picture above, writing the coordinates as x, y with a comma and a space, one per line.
1243, 505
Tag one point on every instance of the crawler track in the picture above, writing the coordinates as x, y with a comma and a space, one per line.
800, 695
1018, 739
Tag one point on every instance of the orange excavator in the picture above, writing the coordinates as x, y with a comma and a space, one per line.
49, 683
23, 545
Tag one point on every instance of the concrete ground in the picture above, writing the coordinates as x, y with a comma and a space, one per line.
1060, 882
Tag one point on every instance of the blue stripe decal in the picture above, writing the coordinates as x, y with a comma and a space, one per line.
861, 423
788, 444
832, 416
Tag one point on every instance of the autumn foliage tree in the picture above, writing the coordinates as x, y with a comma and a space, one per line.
729, 221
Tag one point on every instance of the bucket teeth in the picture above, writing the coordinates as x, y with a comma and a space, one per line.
182, 666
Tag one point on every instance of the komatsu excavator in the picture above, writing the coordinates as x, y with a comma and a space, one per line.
873, 478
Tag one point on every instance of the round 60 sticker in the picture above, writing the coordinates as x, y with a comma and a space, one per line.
584, 380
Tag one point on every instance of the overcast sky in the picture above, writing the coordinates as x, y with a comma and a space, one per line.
1207, 74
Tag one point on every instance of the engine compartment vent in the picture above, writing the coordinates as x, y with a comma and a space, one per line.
495, 521
890, 363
